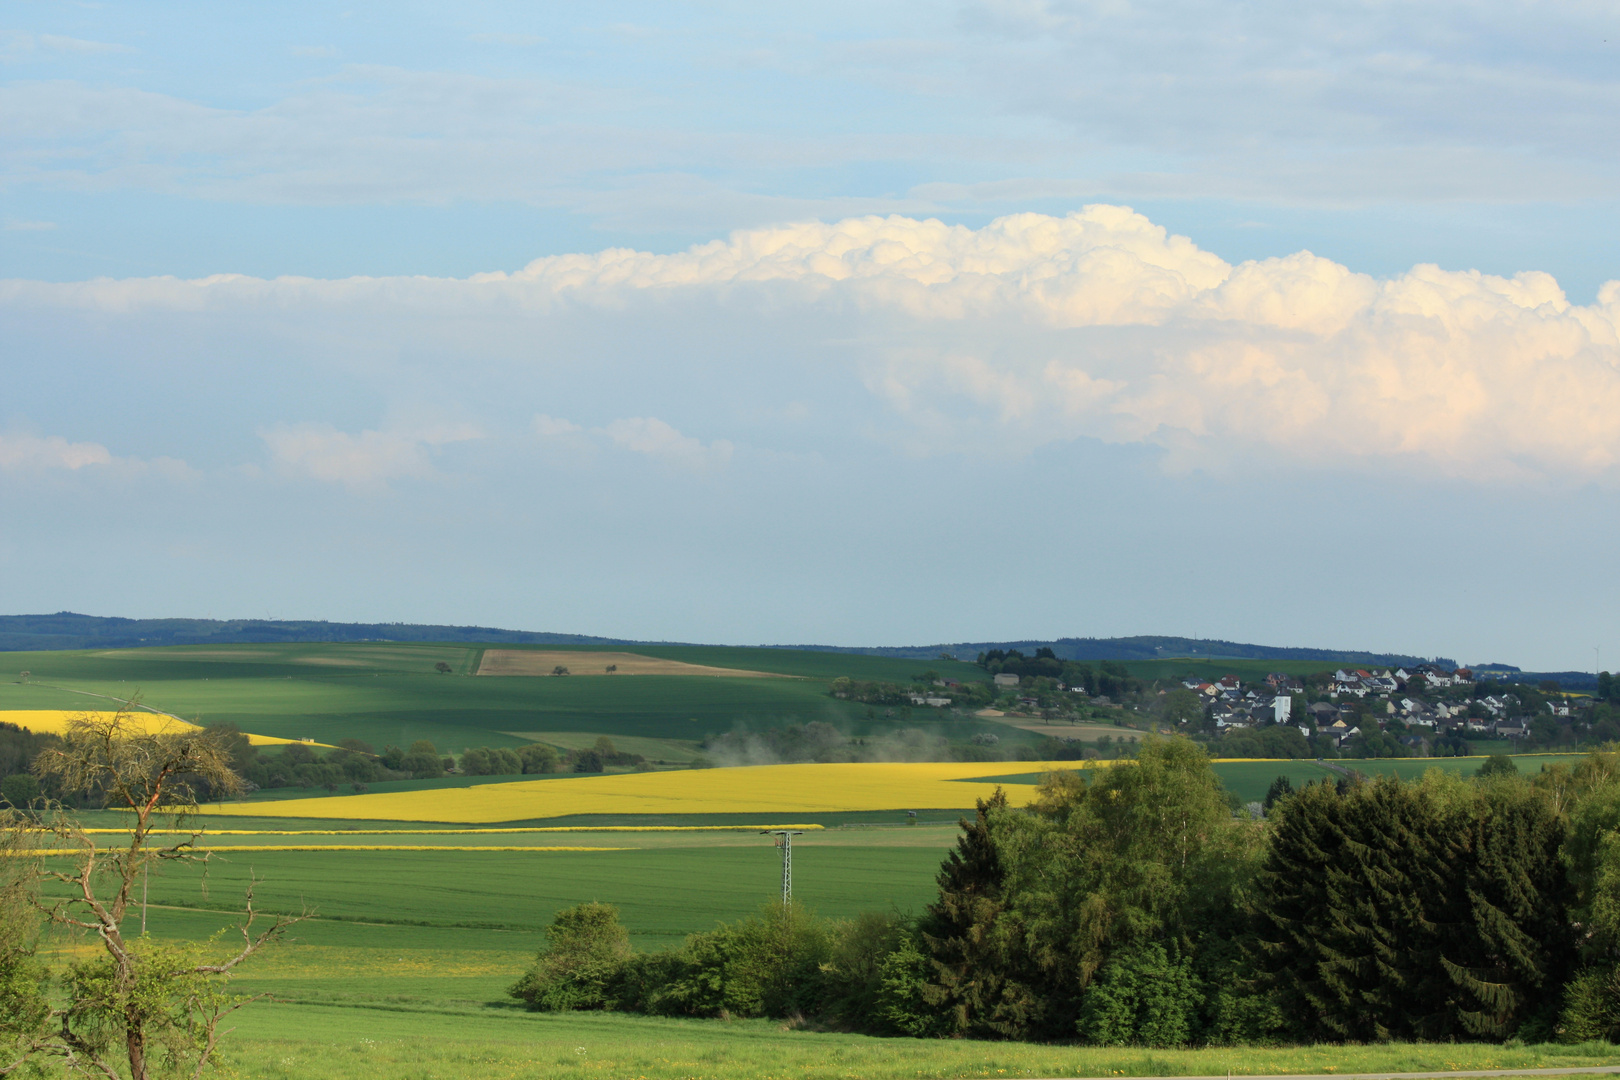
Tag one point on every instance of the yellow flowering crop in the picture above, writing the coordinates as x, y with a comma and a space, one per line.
255, 848
55, 722
757, 789
471, 832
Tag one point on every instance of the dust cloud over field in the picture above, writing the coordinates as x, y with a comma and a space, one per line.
539, 662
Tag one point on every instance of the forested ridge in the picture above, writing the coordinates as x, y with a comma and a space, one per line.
1137, 908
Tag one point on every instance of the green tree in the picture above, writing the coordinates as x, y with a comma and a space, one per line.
19, 790
1280, 788
1497, 765
1412, 911
585, 948
538, 759
1141, 997
970, 985
422, 761
158, 1007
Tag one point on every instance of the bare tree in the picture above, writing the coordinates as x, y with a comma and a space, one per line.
157, 1005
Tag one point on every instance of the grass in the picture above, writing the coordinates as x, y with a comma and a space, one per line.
390, 693
337, 1043
667, 885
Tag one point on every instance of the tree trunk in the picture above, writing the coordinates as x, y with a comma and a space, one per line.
135, 1043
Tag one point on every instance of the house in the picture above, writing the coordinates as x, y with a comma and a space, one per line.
1381, 683
1323, 713
1229, 682
1558, 708
1512, 731
1006, 678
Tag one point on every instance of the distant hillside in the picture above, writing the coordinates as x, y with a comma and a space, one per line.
67, 630
1141, 648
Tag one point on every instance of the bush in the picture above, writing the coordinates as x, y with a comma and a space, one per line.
1592, 1006
899, 1004
762, 966
422, 766
538, 759
586, 948
1141, 997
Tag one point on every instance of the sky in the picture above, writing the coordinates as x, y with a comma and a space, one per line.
846, 324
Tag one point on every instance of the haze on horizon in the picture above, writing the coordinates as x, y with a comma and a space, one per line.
993, 321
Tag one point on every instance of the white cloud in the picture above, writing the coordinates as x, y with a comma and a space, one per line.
656, 439
551, 426
13, 225
19, 452
367, 459
1028, 331
58, 43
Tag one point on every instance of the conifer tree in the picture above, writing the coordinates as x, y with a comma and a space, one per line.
1515, 945
971, 985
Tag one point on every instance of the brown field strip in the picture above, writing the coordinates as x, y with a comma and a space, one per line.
540, 662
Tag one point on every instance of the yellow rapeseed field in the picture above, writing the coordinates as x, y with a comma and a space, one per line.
55, 722
758, 789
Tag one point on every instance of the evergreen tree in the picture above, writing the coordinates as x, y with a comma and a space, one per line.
1515, 945
972, 985
1279, 788
1412, 911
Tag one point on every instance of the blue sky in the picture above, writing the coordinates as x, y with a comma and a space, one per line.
860, 324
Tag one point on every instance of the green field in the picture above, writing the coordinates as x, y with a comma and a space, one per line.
391, 694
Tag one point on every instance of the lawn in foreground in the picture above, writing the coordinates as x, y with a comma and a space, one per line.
295, 1042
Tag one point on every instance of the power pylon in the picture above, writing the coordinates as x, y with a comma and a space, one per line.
784, 841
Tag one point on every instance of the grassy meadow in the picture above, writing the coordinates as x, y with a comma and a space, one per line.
391, 693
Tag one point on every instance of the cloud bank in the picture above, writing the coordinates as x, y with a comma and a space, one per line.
1031, 330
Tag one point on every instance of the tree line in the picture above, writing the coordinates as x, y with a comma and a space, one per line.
1132, 906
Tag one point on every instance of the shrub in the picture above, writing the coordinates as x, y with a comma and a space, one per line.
1141, 997
586, 947
1592, 1006
899, 1004
537, 759
762, 966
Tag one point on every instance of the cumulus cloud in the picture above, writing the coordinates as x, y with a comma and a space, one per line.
1031, 330
656, 439
367, 459
18, 452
